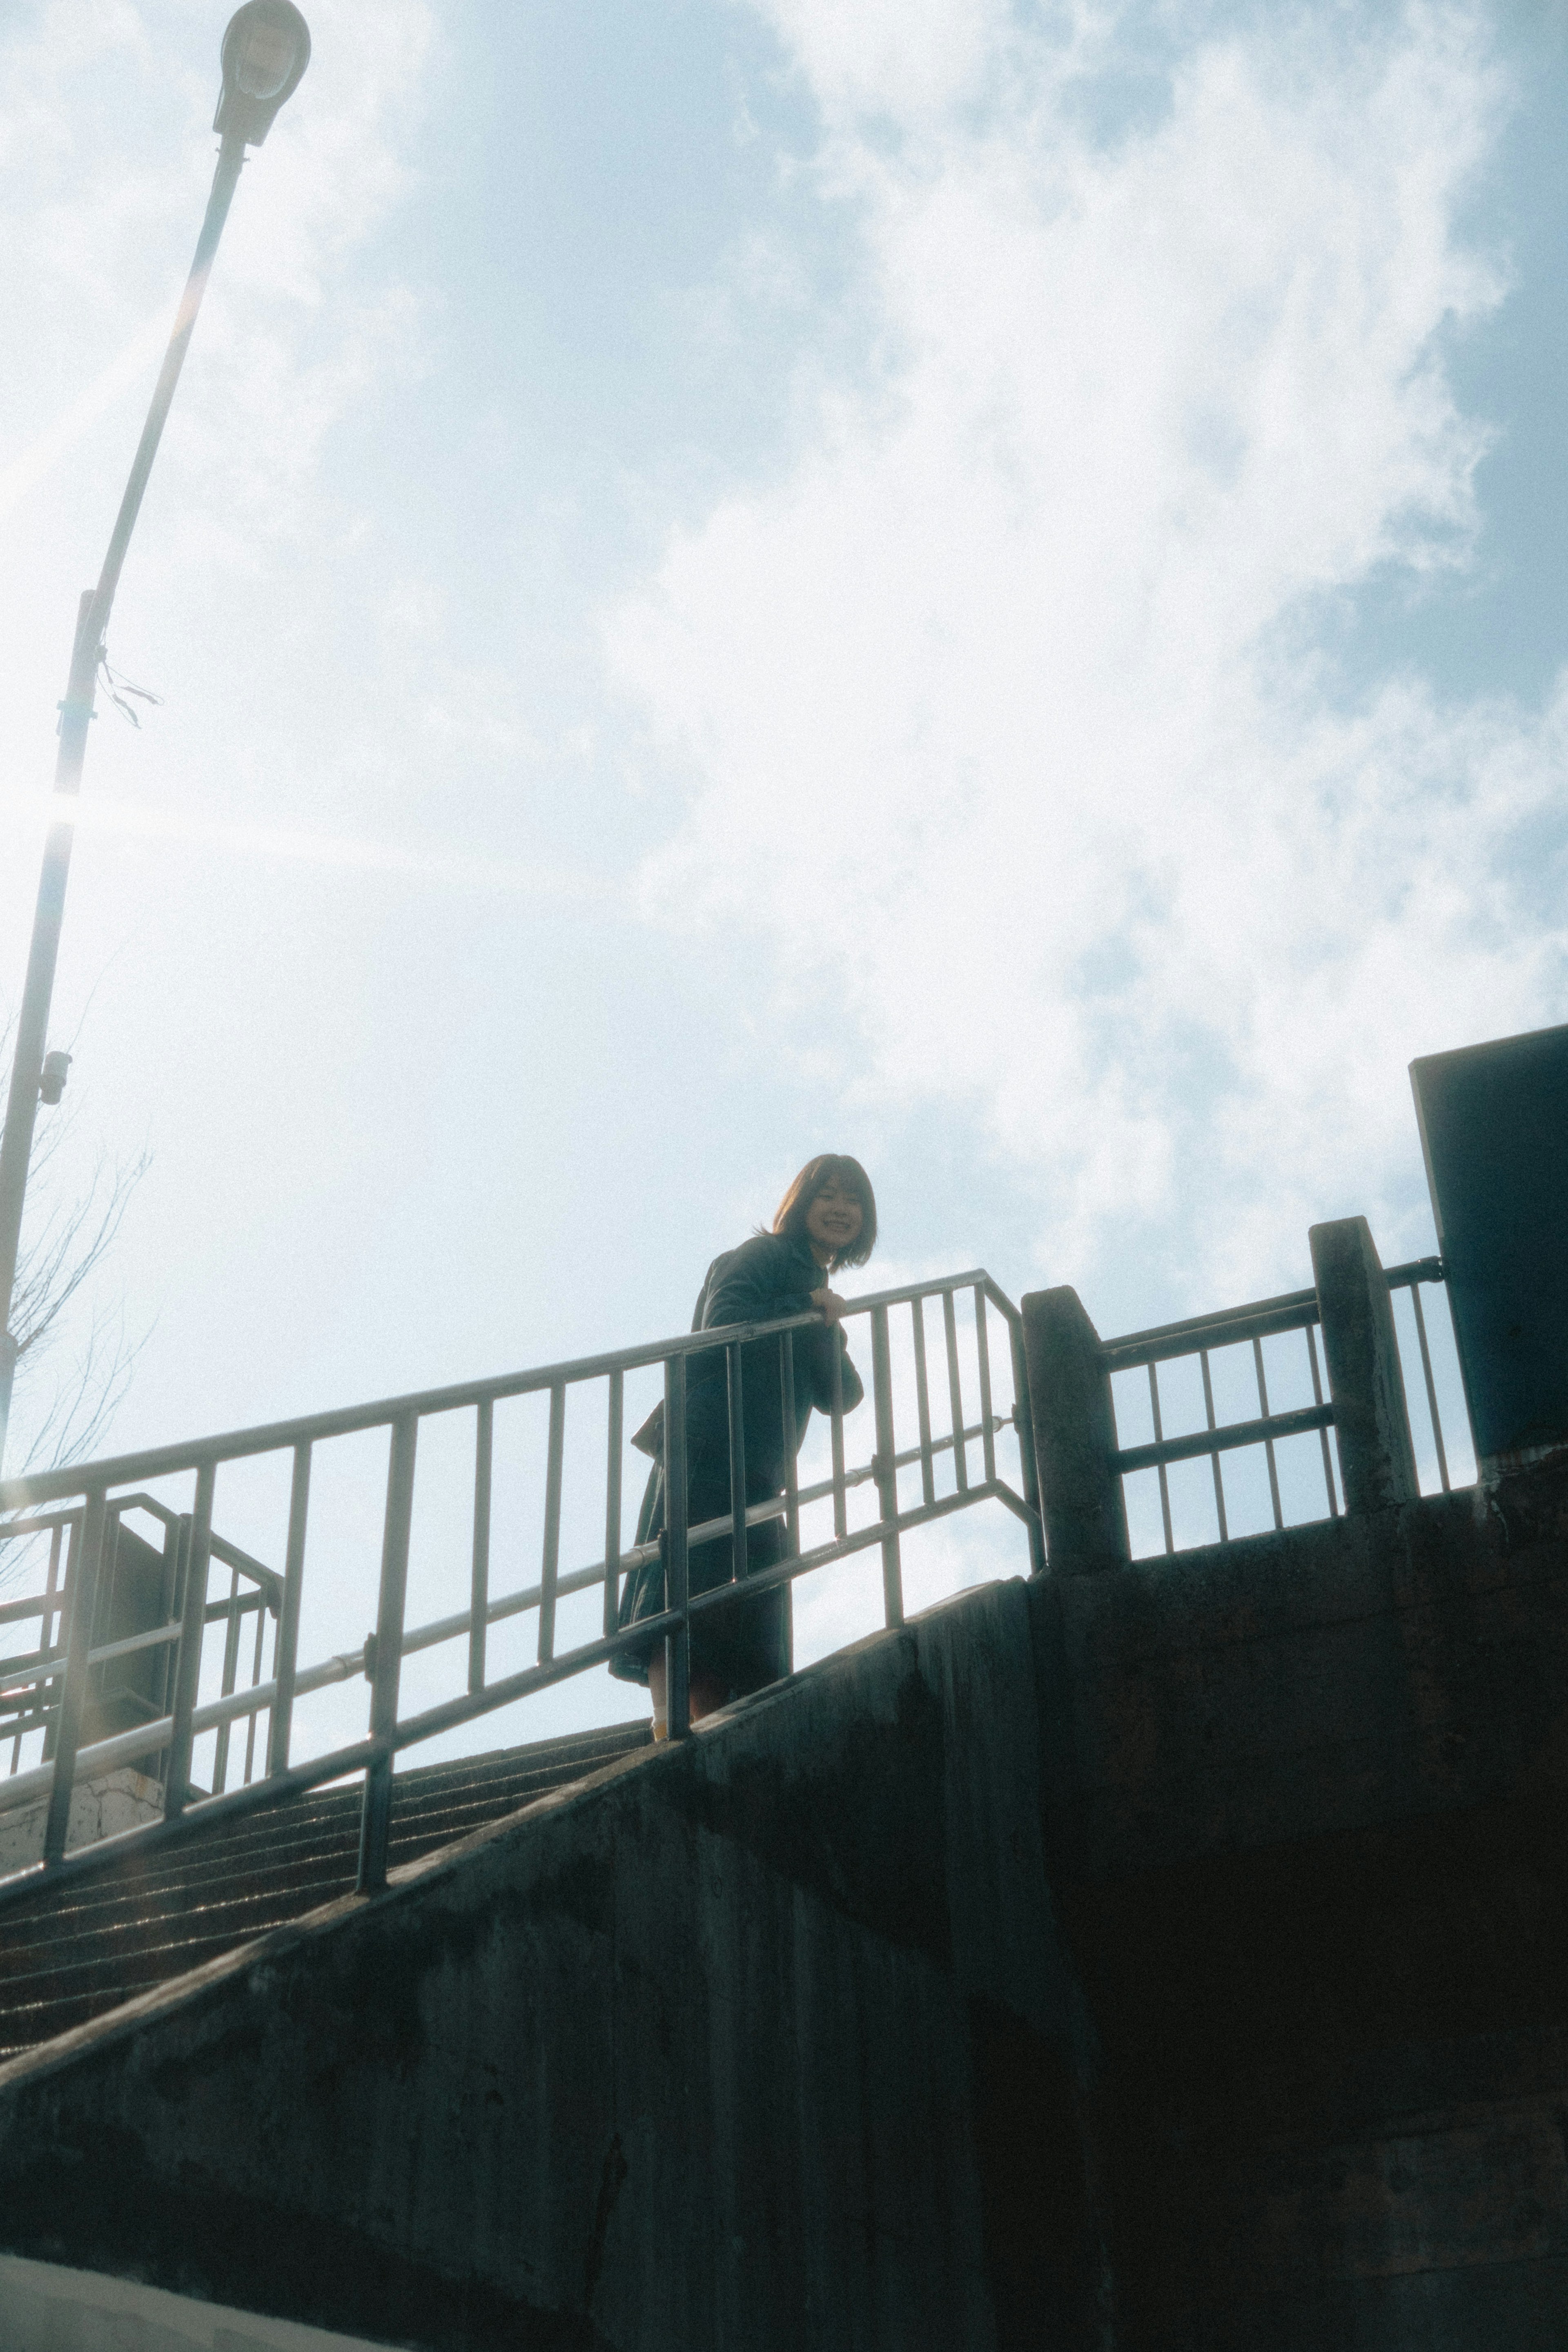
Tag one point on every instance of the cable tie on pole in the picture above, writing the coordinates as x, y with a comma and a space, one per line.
118, 688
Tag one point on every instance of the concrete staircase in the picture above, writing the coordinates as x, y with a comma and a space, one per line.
760, 2041
72, 1950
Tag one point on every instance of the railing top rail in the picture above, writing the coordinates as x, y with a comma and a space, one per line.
1415, 1270
230, 1446
1291, 1311
232, 1555
43, 1522
1288, 1312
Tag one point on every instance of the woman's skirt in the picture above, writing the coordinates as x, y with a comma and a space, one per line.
742, 1647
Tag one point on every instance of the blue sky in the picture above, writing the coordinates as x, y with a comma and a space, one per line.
979, 585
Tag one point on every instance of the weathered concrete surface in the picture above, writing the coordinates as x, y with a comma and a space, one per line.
1372, 1418
1353, 1674
765, 2041
1080, 1495
1305, 1809
787, 2038
101, 1808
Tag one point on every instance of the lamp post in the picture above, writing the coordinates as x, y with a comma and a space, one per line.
265, 49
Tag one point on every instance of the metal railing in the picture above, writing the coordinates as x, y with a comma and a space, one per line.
1202, 1336
61, 1669
30, 1682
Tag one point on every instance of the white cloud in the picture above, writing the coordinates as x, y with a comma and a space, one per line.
1002, 709
903, 61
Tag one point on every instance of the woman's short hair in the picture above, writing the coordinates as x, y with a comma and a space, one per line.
790, 1217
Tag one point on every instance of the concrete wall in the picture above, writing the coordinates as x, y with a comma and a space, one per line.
1174, 1956
101, 1808
1306, 1819
765, 2041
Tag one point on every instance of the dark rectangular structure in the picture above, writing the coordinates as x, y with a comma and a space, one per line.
1494, 1129
138, 1594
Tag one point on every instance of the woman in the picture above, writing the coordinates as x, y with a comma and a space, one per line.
826, 1220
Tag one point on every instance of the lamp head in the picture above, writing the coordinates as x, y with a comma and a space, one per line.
265, 49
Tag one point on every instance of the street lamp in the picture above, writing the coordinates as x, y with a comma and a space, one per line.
265, 49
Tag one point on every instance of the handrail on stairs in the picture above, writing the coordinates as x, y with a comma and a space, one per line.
89, 1501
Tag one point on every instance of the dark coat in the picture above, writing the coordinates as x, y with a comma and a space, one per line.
745, 1645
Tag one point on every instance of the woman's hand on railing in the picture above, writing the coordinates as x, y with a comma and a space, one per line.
829, 1305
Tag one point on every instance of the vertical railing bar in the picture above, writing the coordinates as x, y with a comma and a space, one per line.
46, 1621
169, 1588
923, 1404
792, 1483
887, 1471
836, 1430
50, 1685
176, 1555
49, 1696
1431, 1386
1322, 1433
192, 1626
255, 1677
108, 1578
479, 1566
231, 1671
51, 1583
790, 1436
615, 1445
738, 1496
983, 1351
672, 1543
550, 1562
375, 1819
1214, 1457
52, 1578
956, 1393
1268, 1441
285, 1649
1159, 1434
81, 1595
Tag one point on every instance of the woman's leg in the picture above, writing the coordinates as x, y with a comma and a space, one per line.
713, 1674
705, 1693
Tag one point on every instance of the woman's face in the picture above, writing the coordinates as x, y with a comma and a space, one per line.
834, 1219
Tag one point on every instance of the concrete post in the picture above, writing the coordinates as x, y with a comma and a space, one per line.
1376, 1458
1074, 1436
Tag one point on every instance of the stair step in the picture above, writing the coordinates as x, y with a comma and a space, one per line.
133, 1918
71, 1950
192, 1874
316, 1815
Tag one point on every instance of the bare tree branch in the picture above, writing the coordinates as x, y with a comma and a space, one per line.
58, 1262
77, 1231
